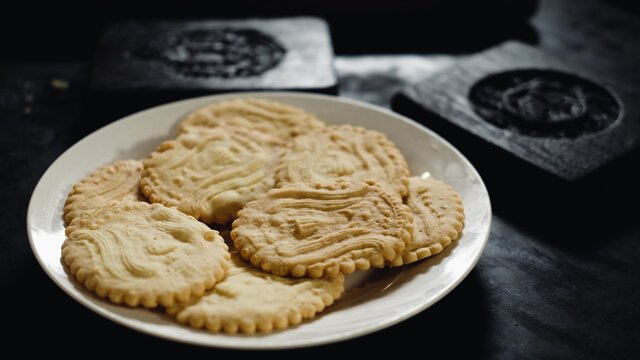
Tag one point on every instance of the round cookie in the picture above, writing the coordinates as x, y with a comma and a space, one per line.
211, 173
118, 181
279, 120
339, 156
249, 300
318, 232
438, 217
144, 254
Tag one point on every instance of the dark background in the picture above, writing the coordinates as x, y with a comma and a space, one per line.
560, 276
53, 32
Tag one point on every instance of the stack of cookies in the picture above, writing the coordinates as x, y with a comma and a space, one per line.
308, 204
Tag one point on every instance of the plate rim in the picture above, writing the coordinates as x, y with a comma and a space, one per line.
282, 345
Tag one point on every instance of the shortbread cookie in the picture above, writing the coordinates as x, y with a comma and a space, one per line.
438, 217
249, 300
211, 173
316, 232
117, 181
339, 156
144, 254
276, 119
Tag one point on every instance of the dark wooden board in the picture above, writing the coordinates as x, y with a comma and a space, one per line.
215, 55
538, 88
139, 64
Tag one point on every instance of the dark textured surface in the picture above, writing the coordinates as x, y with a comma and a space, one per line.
461, 96
559, 278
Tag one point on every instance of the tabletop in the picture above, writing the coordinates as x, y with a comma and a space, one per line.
559, 278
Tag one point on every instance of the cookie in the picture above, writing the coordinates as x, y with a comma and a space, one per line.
339, 156
438, 217
143, 254
211, 173
279, 120
300, 231
249, 300
117, 181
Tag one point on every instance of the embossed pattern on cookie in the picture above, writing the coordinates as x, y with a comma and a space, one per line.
438, 219
249, 300
211, 173
117, 181
317, 232
339, 156
272, 118
143, 254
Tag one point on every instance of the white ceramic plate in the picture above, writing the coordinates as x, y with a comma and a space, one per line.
373, 300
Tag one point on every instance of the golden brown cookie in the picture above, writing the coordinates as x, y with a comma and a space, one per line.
249, 300
117, 181
211, 173
339, 156
143, 254
269, 117
316, 232
438, 217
